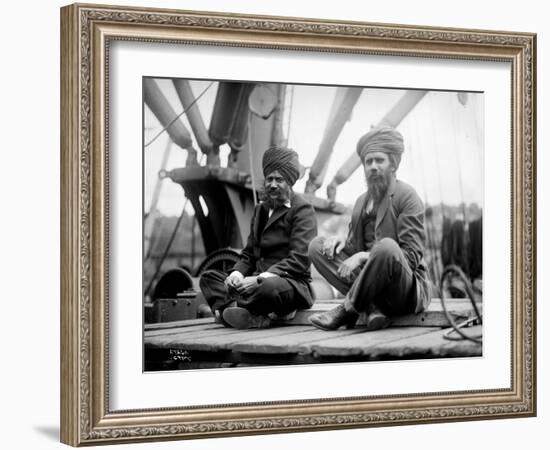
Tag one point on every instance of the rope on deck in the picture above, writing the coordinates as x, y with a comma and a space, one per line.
456, 328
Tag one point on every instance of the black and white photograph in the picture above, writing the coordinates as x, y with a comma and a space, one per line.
293, 222
301, 224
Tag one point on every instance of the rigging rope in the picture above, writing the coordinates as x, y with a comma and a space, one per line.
179, 115
170, 241
457, 328
438, 167
479, 132
429, 223
251, 161
289, 114
460, 181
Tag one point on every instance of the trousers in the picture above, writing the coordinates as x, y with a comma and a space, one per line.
273, 295
385, 281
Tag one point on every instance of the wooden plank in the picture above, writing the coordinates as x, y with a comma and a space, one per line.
391, 342
221, 332
458, 304
460, 309
363, 343
191, 332
225, 340
430, 345
434, 315
178, 323
228, 340
302, 338
185, 329
289, 343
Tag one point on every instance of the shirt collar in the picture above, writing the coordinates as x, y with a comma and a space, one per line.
286, 204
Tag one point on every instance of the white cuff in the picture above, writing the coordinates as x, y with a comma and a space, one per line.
267, 275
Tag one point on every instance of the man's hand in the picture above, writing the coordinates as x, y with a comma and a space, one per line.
234, 279
247, 286
353, 262
333, 245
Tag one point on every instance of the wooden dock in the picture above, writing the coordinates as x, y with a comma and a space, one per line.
201, 343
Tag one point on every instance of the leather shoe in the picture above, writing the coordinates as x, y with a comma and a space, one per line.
284, 318
243, 319
218, 318
377, 320
334, 319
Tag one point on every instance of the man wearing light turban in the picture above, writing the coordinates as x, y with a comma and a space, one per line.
379, 265
271, 278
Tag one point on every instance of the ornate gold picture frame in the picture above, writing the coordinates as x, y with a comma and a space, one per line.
87, 414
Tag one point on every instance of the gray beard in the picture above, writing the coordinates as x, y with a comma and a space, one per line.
378, 187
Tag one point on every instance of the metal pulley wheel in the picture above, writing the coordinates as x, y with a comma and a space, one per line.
173, 282
223, 259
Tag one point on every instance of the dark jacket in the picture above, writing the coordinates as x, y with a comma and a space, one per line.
400, 217
281, 247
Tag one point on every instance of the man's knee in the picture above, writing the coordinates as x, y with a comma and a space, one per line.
386, 248
210, 279
269, 287
315, 249
206, 278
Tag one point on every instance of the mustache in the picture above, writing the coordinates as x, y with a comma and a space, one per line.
375, 174
283, 194
378, 179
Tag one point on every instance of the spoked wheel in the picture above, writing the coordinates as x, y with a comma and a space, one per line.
223, 260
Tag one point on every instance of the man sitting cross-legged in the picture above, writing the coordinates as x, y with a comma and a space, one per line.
271, 279
379, 266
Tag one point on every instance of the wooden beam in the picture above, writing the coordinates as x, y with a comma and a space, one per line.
459, 309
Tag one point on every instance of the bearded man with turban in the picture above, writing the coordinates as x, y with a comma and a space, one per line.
379, 265
271, 279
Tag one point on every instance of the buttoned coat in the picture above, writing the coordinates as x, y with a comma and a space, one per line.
281, 246
400, 216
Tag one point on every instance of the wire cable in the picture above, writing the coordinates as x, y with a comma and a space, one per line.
450, 270
179, 115
413, 127
290, 114
252, 176
456, 125
170, 242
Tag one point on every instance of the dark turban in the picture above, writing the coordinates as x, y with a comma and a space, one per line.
381, 139
285, 161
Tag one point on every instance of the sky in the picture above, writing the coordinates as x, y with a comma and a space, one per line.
443, 137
